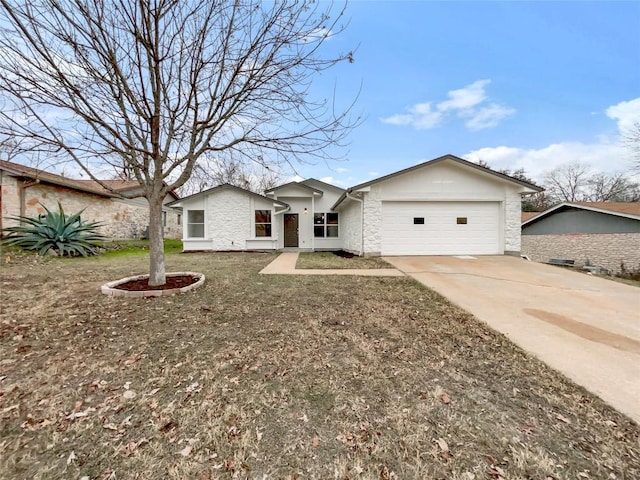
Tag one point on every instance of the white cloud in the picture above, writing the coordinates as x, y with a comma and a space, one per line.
468, 102
317, 34
488, 117
626, 114
341, 170
465, 98
602, 154
420, 116
373, 174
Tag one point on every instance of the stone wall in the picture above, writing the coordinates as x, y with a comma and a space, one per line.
372, 228
9, 197
606, 250
122, 218
513, 222
351, 226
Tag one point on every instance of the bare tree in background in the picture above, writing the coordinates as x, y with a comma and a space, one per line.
150, 86
573, 182
207, 174
632, 141
614, 187
566, 183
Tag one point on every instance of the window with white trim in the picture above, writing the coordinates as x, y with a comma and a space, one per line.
263, 223
195, 223
325, 225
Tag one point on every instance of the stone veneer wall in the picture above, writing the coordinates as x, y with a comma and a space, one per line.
372, 228
123, 218
351, 226
513, 222
606, 250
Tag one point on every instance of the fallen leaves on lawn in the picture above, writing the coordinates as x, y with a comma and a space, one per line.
129, 448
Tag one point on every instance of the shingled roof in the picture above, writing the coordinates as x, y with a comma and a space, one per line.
110, 188
620, 209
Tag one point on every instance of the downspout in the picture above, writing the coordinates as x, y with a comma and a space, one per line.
361, 221
278, 213
312, 213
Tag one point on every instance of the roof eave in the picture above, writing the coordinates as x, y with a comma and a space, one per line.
555, 208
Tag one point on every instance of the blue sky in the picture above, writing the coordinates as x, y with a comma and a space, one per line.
517, 84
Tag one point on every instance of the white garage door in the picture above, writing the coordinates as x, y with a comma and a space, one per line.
441, 228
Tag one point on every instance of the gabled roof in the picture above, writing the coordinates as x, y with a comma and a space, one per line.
116, 188
435, 161
53, 179
294, 184
618, 209
527, 215
226, 186
324, 184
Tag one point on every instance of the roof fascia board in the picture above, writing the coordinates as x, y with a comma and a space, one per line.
226, 186
554, 209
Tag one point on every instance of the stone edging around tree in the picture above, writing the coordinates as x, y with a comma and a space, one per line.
110, 287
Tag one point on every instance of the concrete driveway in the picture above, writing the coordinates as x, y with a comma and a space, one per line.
586, 327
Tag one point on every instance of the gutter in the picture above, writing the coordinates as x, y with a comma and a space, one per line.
285, 210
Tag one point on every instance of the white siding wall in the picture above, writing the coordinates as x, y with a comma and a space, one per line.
323, 205
190, 244
305, 221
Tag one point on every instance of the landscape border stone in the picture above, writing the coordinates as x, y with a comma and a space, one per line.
109, 288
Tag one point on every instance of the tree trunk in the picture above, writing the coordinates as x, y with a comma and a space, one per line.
157, 273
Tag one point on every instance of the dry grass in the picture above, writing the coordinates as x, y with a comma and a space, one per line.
329, 260
279, 377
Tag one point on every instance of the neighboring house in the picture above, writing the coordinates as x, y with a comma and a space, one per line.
447, 206
527, 215
604, 234
121, 206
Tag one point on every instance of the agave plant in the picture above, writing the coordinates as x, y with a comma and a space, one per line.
57, 231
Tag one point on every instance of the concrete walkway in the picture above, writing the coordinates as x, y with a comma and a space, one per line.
285, 264
586, 327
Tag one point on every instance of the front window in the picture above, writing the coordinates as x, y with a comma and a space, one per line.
195, 223
263, 223
325, 225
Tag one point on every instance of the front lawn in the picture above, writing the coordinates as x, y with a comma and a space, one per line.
117, 248
338, 260
279, 377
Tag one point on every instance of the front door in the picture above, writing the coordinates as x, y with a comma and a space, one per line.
290, 229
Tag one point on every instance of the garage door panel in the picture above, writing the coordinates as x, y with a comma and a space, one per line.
440, 234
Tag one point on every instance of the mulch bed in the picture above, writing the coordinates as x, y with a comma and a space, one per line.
177, 281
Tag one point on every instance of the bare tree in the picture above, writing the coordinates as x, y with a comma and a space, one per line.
572, 182
150, 86
615, 187
212, 172
566, 183
632, 141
